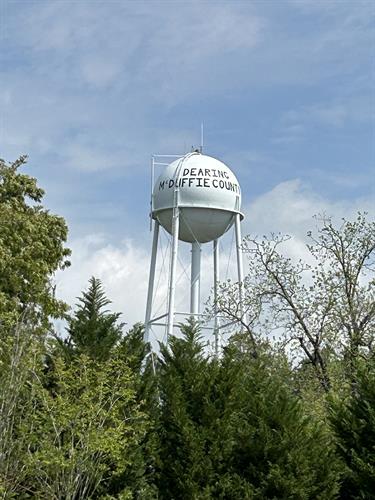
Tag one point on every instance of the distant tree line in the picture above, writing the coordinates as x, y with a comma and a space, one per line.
93, 414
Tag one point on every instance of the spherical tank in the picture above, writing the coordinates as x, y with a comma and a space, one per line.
206, 192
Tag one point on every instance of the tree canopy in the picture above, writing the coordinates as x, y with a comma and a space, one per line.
31, 248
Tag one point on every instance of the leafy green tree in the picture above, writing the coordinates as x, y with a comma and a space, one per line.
31, 248
353, 421
85, 434
93, 330
21, 354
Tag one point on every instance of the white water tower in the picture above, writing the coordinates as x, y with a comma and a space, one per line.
196, 199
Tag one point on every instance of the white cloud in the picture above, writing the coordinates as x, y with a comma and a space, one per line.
123, 270
290, 206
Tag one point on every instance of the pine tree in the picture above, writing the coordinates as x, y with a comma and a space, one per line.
94, 331
353, 422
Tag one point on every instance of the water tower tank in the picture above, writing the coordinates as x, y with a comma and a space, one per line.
206, 192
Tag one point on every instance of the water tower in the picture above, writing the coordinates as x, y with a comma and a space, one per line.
196, 199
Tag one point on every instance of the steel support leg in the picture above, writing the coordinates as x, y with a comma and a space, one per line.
195, 278
240, 264
216, 295
151, 281
172, 273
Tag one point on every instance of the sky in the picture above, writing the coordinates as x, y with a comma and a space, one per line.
90, 89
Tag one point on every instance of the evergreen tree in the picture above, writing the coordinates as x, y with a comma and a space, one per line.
185, 465
92, 330
133, 351
353, 421
267, 448
133, 348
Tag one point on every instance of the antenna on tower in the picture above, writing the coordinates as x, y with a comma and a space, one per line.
201, 148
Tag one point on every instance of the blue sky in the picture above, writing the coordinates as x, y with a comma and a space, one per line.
90, 89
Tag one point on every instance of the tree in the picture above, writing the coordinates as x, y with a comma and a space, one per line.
233, 428
323, 309
92, 330
31, 248
353, 421
133, 348
21, 352
85, 434
135, 352
184, 384
266, 446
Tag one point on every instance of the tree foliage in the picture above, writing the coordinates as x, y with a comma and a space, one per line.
353, 421
20, 354
86, 431
234, 429
184, 423
93, 330
31, 248
271, 448
325, 307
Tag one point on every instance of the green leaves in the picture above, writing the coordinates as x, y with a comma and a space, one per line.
86, 430
31, 248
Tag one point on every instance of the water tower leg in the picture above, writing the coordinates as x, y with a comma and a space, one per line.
195, 278
240, 264
151, 281
172, 272
216, 295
